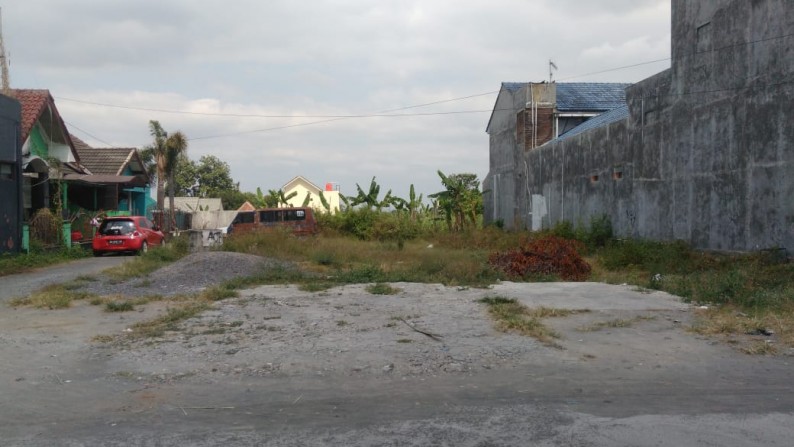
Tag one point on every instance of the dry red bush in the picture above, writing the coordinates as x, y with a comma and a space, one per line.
546, 256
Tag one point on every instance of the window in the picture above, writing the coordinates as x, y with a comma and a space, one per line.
116, 227
244, 217
293, 215
704, 37
269, 216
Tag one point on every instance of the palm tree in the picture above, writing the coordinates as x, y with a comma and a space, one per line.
154, 157
175, 146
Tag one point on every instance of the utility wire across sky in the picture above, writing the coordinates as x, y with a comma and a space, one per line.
390, 112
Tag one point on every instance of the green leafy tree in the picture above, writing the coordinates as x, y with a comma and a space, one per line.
283, 199
461, 200
186, 176
233, 199
214, 176
369, 198
324, 201
412, 205
307, 200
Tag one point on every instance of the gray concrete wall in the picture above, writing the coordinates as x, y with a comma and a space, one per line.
500, 183
707, 154
11, 177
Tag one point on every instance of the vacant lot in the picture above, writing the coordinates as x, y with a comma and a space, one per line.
424, 365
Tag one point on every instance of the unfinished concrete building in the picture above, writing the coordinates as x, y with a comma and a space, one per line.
702, 152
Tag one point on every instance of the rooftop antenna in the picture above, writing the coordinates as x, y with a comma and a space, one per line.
552, 68
6, 77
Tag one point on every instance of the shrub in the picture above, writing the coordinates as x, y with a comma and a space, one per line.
549, 256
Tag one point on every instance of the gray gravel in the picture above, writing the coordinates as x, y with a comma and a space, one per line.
192, 273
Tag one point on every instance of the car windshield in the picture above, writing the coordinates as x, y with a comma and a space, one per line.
116, 227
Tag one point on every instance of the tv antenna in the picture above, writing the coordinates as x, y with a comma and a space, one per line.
552, 68
6, 86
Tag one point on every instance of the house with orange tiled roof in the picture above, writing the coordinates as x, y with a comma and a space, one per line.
47, 150
58, 167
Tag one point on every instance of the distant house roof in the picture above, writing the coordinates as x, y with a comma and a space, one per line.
109, 161
247, 206
583, 96
603, 119
300, 178
579, 97
191, 204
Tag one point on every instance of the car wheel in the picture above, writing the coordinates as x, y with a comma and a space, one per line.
144, 248
97, 253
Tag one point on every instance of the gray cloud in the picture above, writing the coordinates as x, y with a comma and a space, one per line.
327, 57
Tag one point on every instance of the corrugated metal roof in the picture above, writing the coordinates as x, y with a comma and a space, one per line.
590, 96
595, 122
583, 96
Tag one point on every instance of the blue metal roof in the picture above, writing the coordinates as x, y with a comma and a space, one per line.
590, 96
513, 87
603, 119
583, 96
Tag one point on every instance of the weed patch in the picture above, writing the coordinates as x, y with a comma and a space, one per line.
56, 296
119, 306
382, 289
315, 286
510, 315
169, 322
613, 324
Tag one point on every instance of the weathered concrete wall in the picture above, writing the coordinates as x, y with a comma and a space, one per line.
10, 176
707, 154
500, 183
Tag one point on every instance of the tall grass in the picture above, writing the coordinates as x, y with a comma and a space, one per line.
346, 259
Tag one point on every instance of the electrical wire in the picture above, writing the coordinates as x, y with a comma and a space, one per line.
89, 134
389, 114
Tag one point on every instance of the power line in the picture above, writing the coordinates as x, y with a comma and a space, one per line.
89, 134
616, 69
387, 113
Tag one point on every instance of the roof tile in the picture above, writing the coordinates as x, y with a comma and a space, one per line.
33, 104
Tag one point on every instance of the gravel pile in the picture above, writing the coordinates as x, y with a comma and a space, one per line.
192, 273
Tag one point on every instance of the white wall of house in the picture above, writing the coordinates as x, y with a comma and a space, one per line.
304, 187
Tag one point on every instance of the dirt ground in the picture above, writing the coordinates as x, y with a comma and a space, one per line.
314, 347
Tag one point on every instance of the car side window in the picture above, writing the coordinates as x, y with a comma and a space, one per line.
144, 223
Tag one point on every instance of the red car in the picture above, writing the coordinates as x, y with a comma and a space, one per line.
133, 234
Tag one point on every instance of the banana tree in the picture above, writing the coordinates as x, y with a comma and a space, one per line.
461, 200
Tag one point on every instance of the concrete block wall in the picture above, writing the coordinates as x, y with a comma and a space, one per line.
707, 154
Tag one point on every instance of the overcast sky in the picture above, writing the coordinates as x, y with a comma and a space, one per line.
299, 63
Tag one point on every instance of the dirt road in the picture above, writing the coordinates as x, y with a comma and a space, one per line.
279, 366
24, 283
